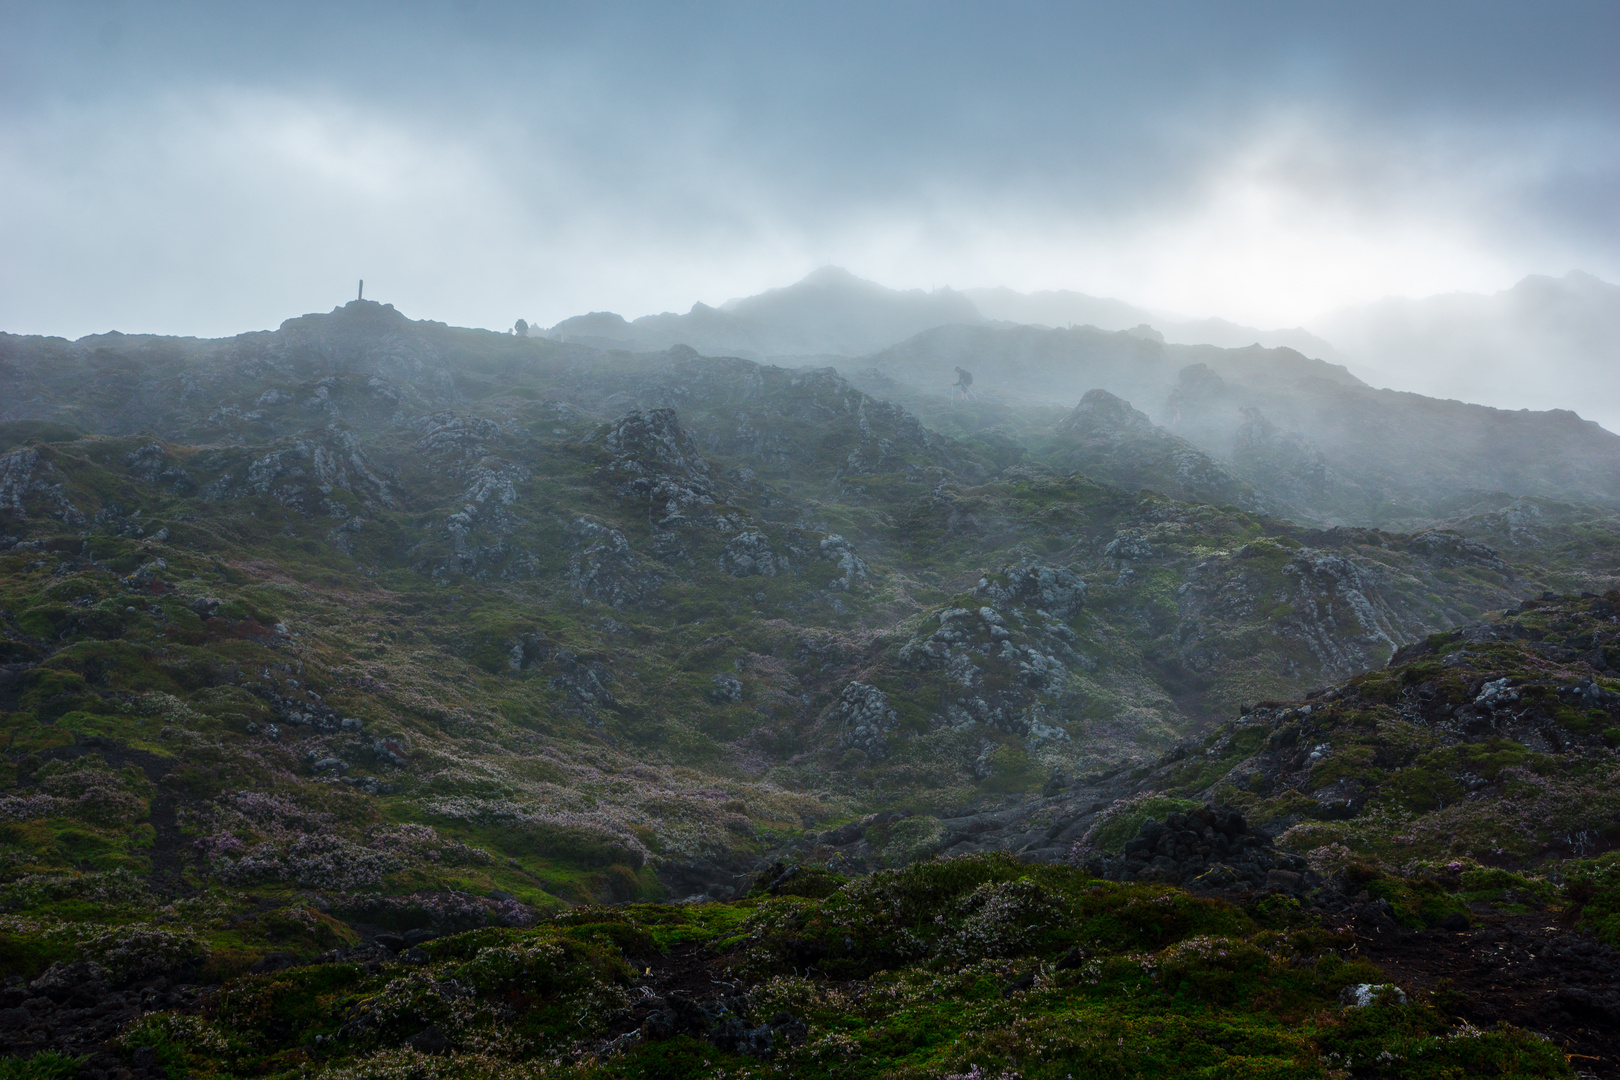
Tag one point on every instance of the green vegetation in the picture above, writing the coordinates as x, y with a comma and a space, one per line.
938, 969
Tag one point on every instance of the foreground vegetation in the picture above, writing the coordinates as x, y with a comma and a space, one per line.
974, 966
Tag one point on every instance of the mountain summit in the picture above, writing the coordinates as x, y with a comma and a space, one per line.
831, 312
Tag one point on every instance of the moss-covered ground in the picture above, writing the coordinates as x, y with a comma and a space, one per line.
975, 966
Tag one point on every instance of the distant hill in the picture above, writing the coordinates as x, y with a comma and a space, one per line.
1063, 307
829, 313
1545, 343
1305, 434
1039, 364
832, 313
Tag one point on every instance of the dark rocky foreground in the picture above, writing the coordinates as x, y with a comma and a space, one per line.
1531, 970
73, 1009
1535, 971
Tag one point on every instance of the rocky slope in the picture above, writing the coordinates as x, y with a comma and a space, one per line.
312, 638
975, 962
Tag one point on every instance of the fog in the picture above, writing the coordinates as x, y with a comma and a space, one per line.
207, 169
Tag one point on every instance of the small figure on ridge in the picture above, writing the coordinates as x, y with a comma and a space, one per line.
964, 383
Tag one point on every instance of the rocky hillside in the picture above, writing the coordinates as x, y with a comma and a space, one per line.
366, 626
793, 594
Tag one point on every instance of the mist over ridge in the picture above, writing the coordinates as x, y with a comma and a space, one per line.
1547, 343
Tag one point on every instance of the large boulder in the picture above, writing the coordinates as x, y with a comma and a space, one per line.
1207, 848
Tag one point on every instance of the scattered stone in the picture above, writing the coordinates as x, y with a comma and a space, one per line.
1364, 995
1056, 590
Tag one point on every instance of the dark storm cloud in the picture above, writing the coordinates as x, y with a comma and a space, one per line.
210, 167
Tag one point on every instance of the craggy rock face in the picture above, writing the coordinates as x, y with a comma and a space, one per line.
654, 444
303, 474
24, 475
751, 553
1008, 672
604, 568
852, 568
1055, 590
863, 719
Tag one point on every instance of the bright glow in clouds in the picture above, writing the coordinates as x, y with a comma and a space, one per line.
212, 217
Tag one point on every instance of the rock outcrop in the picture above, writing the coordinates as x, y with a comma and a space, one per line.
1207, 848
1105, 438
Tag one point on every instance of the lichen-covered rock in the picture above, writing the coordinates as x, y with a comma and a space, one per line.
750, 553
153, 464
446, 435
1129, 545
655, 460
16, 476
725, 689
864, 719
25, 472
304, 472
605, 569
837, 550
585, 681
1056, 590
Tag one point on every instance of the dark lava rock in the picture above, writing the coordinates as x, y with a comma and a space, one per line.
1210, 848
789, 1028
676, 1014
62, 981
276, 961
430, 1040
733, 1034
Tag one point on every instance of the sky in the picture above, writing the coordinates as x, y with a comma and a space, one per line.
212, 168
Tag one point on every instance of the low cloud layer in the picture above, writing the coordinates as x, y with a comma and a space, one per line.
188, 169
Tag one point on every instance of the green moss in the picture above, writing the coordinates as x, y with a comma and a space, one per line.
1417, 902
1506, 888
1593, 886
45, 1065
1110, 835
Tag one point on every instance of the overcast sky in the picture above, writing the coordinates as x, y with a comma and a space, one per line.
210, 168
